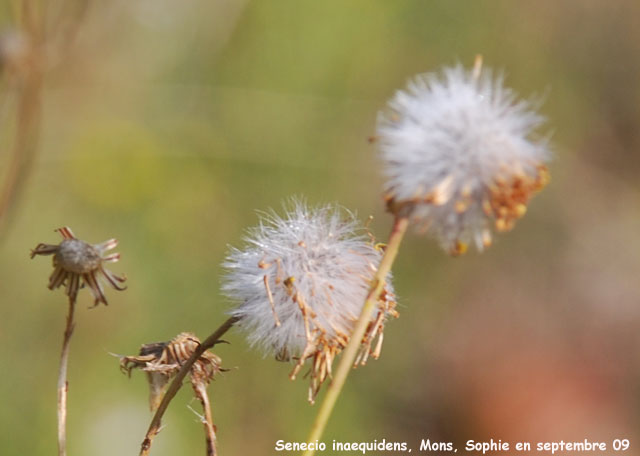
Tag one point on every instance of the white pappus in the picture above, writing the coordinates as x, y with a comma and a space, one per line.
300, 284
461, 153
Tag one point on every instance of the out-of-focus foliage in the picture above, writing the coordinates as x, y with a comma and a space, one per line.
169, 123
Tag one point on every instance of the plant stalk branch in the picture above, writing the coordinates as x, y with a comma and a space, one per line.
200, 389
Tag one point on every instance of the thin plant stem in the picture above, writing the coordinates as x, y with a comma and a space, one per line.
63, 384
25, 145
176, 384
350, 352
200, 389
30, 18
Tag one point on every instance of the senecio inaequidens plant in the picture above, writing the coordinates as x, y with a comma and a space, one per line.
162, 360
460, 153
300, 284
76, 263
462, 158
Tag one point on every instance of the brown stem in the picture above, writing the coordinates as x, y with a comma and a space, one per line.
200, 389
29, 109
176, 384
26, 136
63, 385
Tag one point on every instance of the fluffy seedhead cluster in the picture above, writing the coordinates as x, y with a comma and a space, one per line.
76, 263
300, 284
162, 360
460, 155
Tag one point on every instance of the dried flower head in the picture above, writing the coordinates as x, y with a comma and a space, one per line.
301, 282
162, 360
76, 262
460, 154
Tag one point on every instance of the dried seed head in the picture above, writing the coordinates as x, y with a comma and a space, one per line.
460, 155
300, 284
76, 262
77, 256
162, 360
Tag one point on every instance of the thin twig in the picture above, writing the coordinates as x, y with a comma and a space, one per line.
176, 384
63, 384
200, 389
348, 356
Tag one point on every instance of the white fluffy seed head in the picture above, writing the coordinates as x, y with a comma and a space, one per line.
317, 259
459, 152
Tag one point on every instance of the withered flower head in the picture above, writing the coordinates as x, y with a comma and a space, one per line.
162, 360
300, 284
76, 263
461, 154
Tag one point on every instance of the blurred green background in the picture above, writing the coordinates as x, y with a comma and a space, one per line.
169, 123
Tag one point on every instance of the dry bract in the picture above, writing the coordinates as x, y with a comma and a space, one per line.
162, 360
